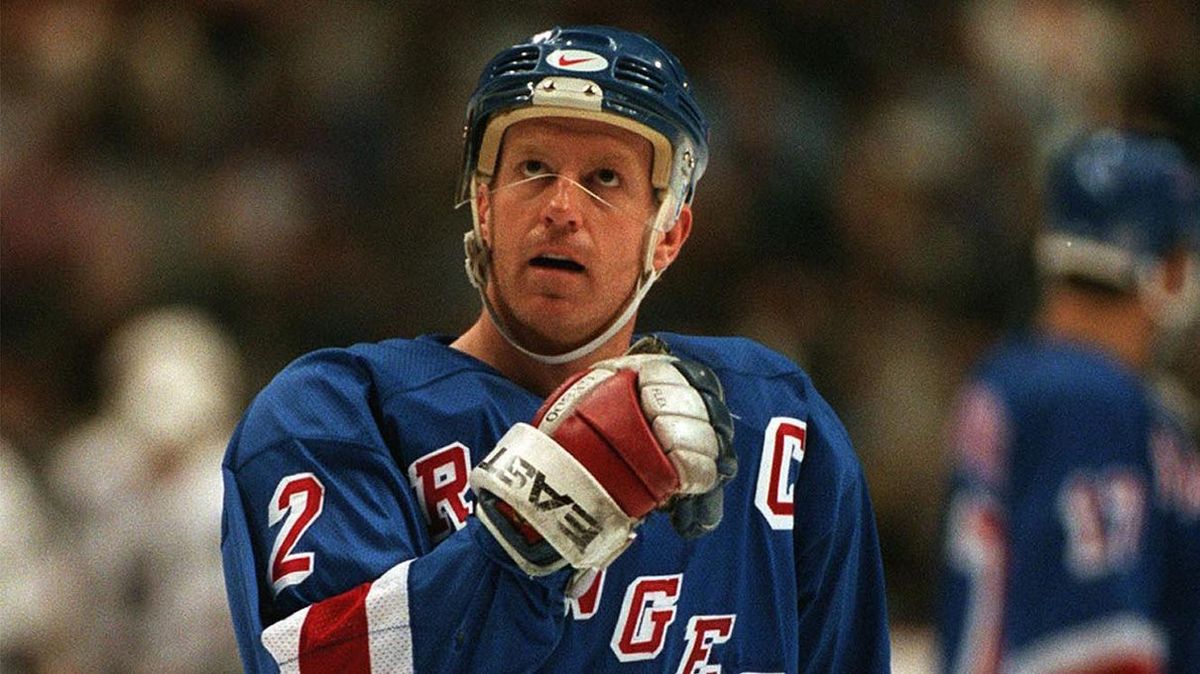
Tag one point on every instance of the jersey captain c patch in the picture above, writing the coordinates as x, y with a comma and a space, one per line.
783, 444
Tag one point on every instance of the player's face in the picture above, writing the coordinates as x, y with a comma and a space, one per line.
565, 218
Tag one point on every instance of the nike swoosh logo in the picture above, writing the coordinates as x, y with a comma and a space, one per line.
564, 61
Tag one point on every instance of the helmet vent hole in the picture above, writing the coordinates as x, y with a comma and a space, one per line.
690, 109
640, 74
520, 61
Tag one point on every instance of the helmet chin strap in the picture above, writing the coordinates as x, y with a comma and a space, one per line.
479, 259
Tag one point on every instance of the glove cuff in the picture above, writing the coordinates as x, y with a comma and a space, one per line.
556, 496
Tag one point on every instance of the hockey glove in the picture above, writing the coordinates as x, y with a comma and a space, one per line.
613, 443
696, 512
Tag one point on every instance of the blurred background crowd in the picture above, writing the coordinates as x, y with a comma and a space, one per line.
196, 192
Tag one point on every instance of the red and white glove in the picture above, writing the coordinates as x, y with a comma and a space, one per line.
633, 434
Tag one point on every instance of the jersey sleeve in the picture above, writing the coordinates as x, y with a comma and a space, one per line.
1176, 466
975, 534
842, 600
328, 562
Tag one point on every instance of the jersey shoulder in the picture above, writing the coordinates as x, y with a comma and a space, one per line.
1038, 406
337, 394
756, 375
733, 354
1040, 370
767, 390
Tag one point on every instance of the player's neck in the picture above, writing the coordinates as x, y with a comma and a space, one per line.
483, 341
1117, 324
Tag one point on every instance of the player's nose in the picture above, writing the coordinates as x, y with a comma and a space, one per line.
563, 208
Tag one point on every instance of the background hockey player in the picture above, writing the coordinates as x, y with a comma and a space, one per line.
537, 494
1073, 539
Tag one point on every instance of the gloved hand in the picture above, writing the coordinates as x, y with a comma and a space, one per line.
632, 434
695, 511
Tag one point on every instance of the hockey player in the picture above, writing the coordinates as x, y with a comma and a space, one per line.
1073, 532
536, 494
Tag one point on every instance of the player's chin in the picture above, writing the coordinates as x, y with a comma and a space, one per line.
557, 291
558, 323
542, 339
554, 316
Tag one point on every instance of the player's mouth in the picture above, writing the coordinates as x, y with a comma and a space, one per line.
557, 262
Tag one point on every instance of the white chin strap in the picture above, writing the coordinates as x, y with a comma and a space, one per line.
479, 260
644, 283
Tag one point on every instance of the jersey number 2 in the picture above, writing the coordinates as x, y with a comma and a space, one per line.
300, 498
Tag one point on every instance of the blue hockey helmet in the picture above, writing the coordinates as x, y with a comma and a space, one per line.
1117, 203
591, 72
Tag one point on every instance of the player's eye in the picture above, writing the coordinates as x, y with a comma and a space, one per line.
608, 178
533, 167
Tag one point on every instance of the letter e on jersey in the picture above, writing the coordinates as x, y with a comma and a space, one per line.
783, 443
440, 480
702, 632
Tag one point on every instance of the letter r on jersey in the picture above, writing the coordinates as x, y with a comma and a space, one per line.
440, 480
783, 443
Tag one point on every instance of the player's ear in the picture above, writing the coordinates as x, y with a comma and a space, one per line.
1174, 271
483, 203
671, 241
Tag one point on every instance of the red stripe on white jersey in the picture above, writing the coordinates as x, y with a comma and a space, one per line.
334, 637
362, 631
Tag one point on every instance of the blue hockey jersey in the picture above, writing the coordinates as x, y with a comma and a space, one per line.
1073, 526
349, 543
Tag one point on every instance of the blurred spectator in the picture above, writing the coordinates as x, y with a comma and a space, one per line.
36, 580
927, 281
137, 480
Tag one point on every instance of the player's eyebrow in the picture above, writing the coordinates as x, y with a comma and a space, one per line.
617, 158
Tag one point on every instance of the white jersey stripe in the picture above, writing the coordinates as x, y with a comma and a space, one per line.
389, 633
1117, 638
282, 641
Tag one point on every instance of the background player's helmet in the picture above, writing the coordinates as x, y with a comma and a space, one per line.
1116, 204
591, 72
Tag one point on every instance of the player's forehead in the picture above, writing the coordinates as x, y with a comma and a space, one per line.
581, 138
